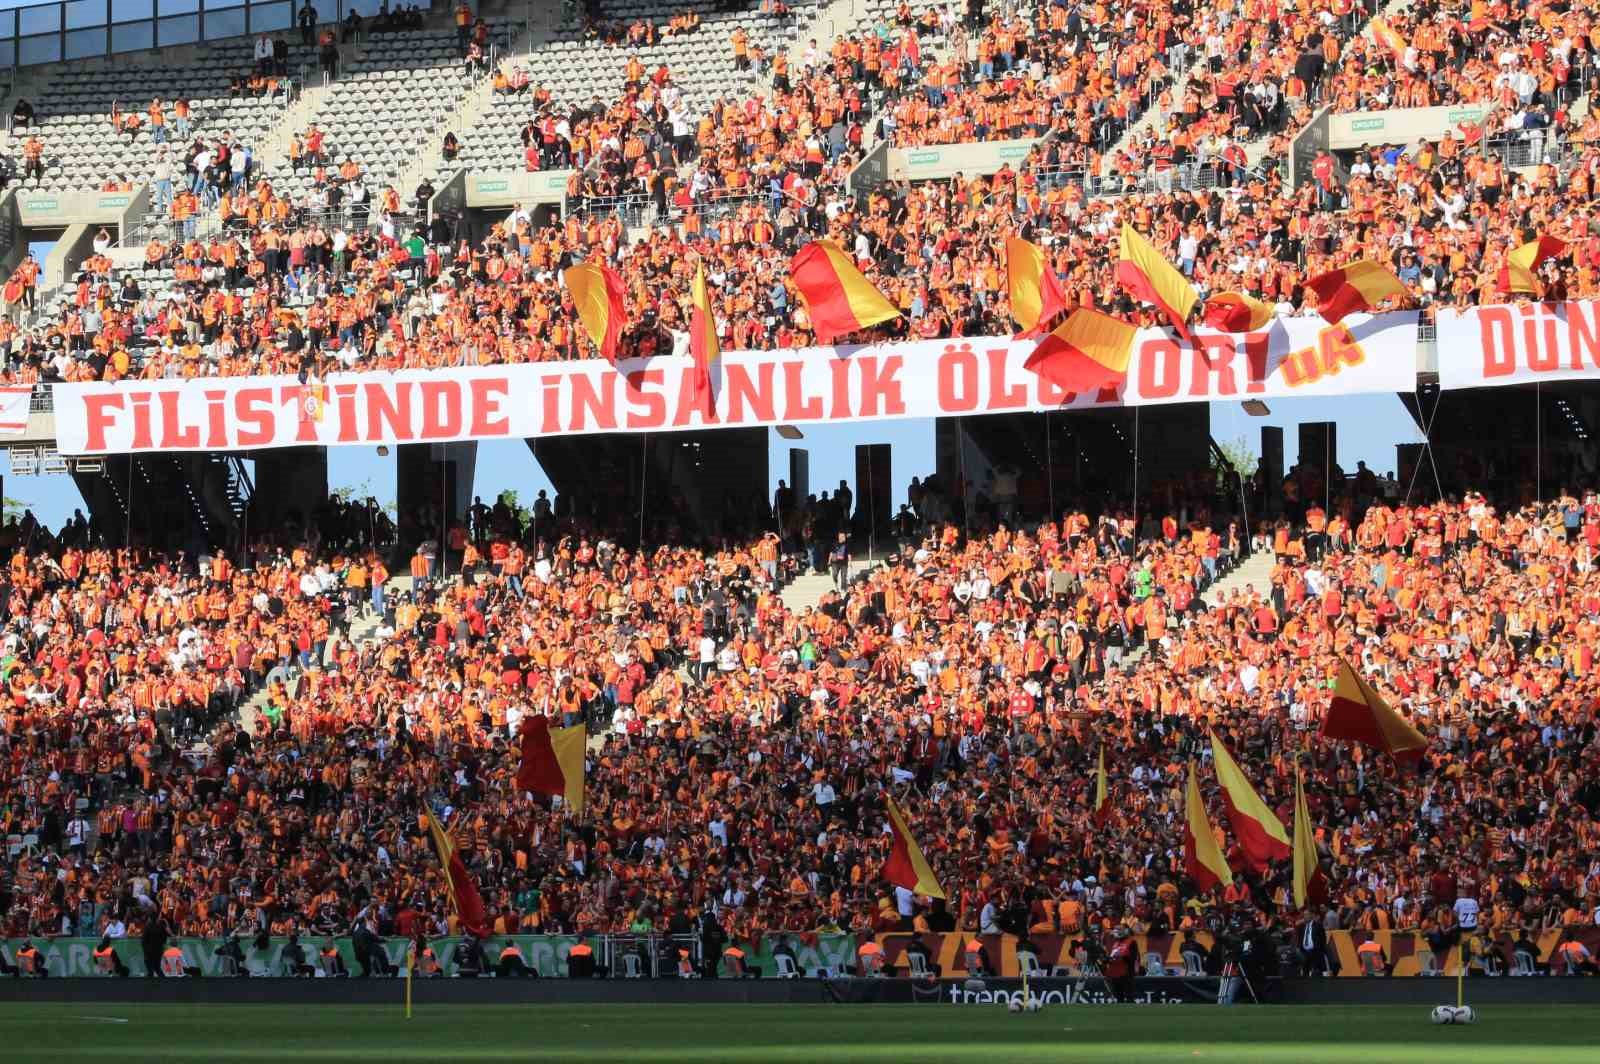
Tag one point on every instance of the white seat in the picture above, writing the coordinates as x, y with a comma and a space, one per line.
786, 967
1524, 963
632, 966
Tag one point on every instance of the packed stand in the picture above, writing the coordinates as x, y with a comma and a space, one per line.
974, 675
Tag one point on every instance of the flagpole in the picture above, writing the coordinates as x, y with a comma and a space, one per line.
1538, 439
411, 954
1461, 972
961, 455
644, 472
1050, 467
1136, 479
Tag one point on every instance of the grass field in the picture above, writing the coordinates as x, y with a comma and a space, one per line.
924, 1034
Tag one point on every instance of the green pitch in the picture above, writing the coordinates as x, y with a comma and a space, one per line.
694, 1034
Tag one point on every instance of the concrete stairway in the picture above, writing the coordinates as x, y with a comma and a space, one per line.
1153, 114
1256, 571
360, 632
807, 590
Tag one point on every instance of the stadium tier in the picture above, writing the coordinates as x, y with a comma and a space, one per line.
1098, 699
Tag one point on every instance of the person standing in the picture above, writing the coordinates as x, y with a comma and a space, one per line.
153, 943
839, 562
1311, 937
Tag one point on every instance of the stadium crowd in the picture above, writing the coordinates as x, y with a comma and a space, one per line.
345, 278
742, 748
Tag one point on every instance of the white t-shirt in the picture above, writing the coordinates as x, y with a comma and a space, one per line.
1467, 913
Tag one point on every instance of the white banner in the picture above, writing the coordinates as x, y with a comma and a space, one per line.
931, 378
14, 408
1484, 347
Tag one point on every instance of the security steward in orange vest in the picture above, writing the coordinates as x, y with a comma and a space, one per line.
333, 965
511, 964
580, 962
29, 962
427, 965
107, 961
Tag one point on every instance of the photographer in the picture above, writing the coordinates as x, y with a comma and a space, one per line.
1121, 966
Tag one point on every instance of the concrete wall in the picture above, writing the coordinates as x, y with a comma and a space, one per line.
1400, 125
53, 210
947, 160
511, 189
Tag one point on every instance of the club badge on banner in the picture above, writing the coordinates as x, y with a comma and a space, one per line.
921, 379
1484, 347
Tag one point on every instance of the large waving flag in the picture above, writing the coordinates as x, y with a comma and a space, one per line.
1310, 886
464, 896
703, 344
1035, 292
906, 867
1360, 286
1102, 804
1089, 350
1358, 714
1389, 37
838, 297
1235, 312
598, 293
1519, 274
1202, 859
1145, 275
1257, 827
552, 760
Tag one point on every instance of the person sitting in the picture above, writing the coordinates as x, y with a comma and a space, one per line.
106, 961
452, 147
511, 964
22, 113
333, 965
29, 963
469, 957
294, 959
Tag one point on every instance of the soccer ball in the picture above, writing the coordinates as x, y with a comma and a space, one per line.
1454, 1014
1013, 1005
1035, 1003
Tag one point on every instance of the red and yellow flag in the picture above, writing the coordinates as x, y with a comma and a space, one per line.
1145, 275
906, 867
703, 344
1358, 714
1102, 804
1235, 312
1389, 37
1310, 885
1087, 351
1257, 827
1035, 292
313, 402
1520, 273
839, 299
598, 293
552, 760
464, 897
1202, 858
1359, 286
